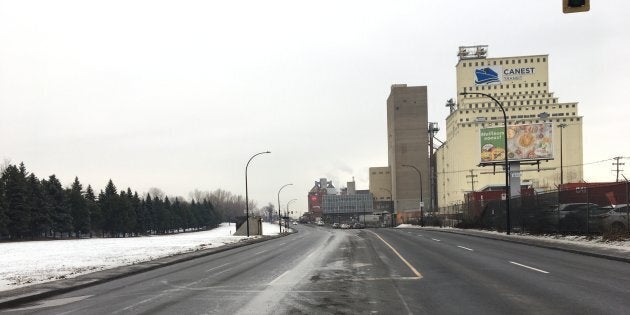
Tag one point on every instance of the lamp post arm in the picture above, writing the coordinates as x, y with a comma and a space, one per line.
507, 165
246, 191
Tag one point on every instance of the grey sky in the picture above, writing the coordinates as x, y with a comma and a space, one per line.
179, 94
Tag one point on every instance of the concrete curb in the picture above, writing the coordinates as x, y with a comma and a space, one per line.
36, 292
576, 249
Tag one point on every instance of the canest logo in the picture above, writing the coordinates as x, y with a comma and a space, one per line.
487, 76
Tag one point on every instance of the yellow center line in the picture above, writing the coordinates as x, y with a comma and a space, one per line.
399, 256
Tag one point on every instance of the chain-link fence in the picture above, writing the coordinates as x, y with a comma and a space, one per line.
589, 209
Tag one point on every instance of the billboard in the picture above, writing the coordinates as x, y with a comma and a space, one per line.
498, 74
525, 143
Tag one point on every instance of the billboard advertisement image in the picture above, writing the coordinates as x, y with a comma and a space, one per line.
525, 143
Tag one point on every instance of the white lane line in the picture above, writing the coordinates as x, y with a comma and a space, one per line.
435, 239
466, 248
262, 251
418, 275
220, 272
420, 235
217, 267
528, 267
280, 276
282, 244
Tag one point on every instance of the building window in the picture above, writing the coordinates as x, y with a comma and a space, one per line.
464, 65
544, 59
537, 59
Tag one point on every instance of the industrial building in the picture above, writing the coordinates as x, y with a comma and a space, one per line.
521, 84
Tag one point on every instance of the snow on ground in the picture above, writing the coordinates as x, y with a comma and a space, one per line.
26, 263
589, 241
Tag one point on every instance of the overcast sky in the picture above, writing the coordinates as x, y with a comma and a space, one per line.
179, 94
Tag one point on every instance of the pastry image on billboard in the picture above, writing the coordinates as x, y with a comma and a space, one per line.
525, 142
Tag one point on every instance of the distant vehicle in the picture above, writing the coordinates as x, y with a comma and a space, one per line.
295, 223
358, 225
345, 226
320, 223
335, 225
615, 219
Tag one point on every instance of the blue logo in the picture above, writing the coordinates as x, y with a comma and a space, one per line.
486, 76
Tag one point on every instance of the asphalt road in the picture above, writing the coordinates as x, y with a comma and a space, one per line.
388, 271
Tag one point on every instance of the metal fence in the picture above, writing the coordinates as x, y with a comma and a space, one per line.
587, 210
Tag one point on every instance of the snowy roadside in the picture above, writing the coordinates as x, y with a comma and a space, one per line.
580, 240
31, 262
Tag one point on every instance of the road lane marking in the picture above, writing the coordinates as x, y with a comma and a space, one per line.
528, 267
420, 235
466, 248
220, 272
435, 239
278, 278
282, 244
217, 267
262, 251
418, 275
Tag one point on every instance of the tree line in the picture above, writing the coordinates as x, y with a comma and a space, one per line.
33, 208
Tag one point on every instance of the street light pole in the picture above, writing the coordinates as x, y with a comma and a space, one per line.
507, 165
280, 215
246, 192
421, 202
391, 204
561, 126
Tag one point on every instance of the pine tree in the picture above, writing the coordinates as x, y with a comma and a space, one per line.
96, 217
41, 222
136, 204
57, 203
149, 216
4, 219
17, 210
78, 208
108, 202
160, 216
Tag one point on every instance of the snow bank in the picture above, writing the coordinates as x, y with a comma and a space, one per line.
26, 263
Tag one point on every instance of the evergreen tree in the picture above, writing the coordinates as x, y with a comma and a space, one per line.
108, 201
96, 217
17, 210
136, 205
78, 208
57, 203
148, 215
41, 222
161, 218
4, 219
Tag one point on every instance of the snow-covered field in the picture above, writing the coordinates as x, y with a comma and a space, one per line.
26, 263
593, 241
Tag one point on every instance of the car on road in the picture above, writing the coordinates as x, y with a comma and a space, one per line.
345, 226
320, 223
335, 225
358, 225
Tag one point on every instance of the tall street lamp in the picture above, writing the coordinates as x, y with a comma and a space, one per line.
421, 202
391, 204
561, 126
246, 192
280, 215
507, 165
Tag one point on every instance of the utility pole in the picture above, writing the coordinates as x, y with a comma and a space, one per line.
472, 179
617, 164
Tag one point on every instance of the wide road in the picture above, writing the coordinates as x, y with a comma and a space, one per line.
388, 271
